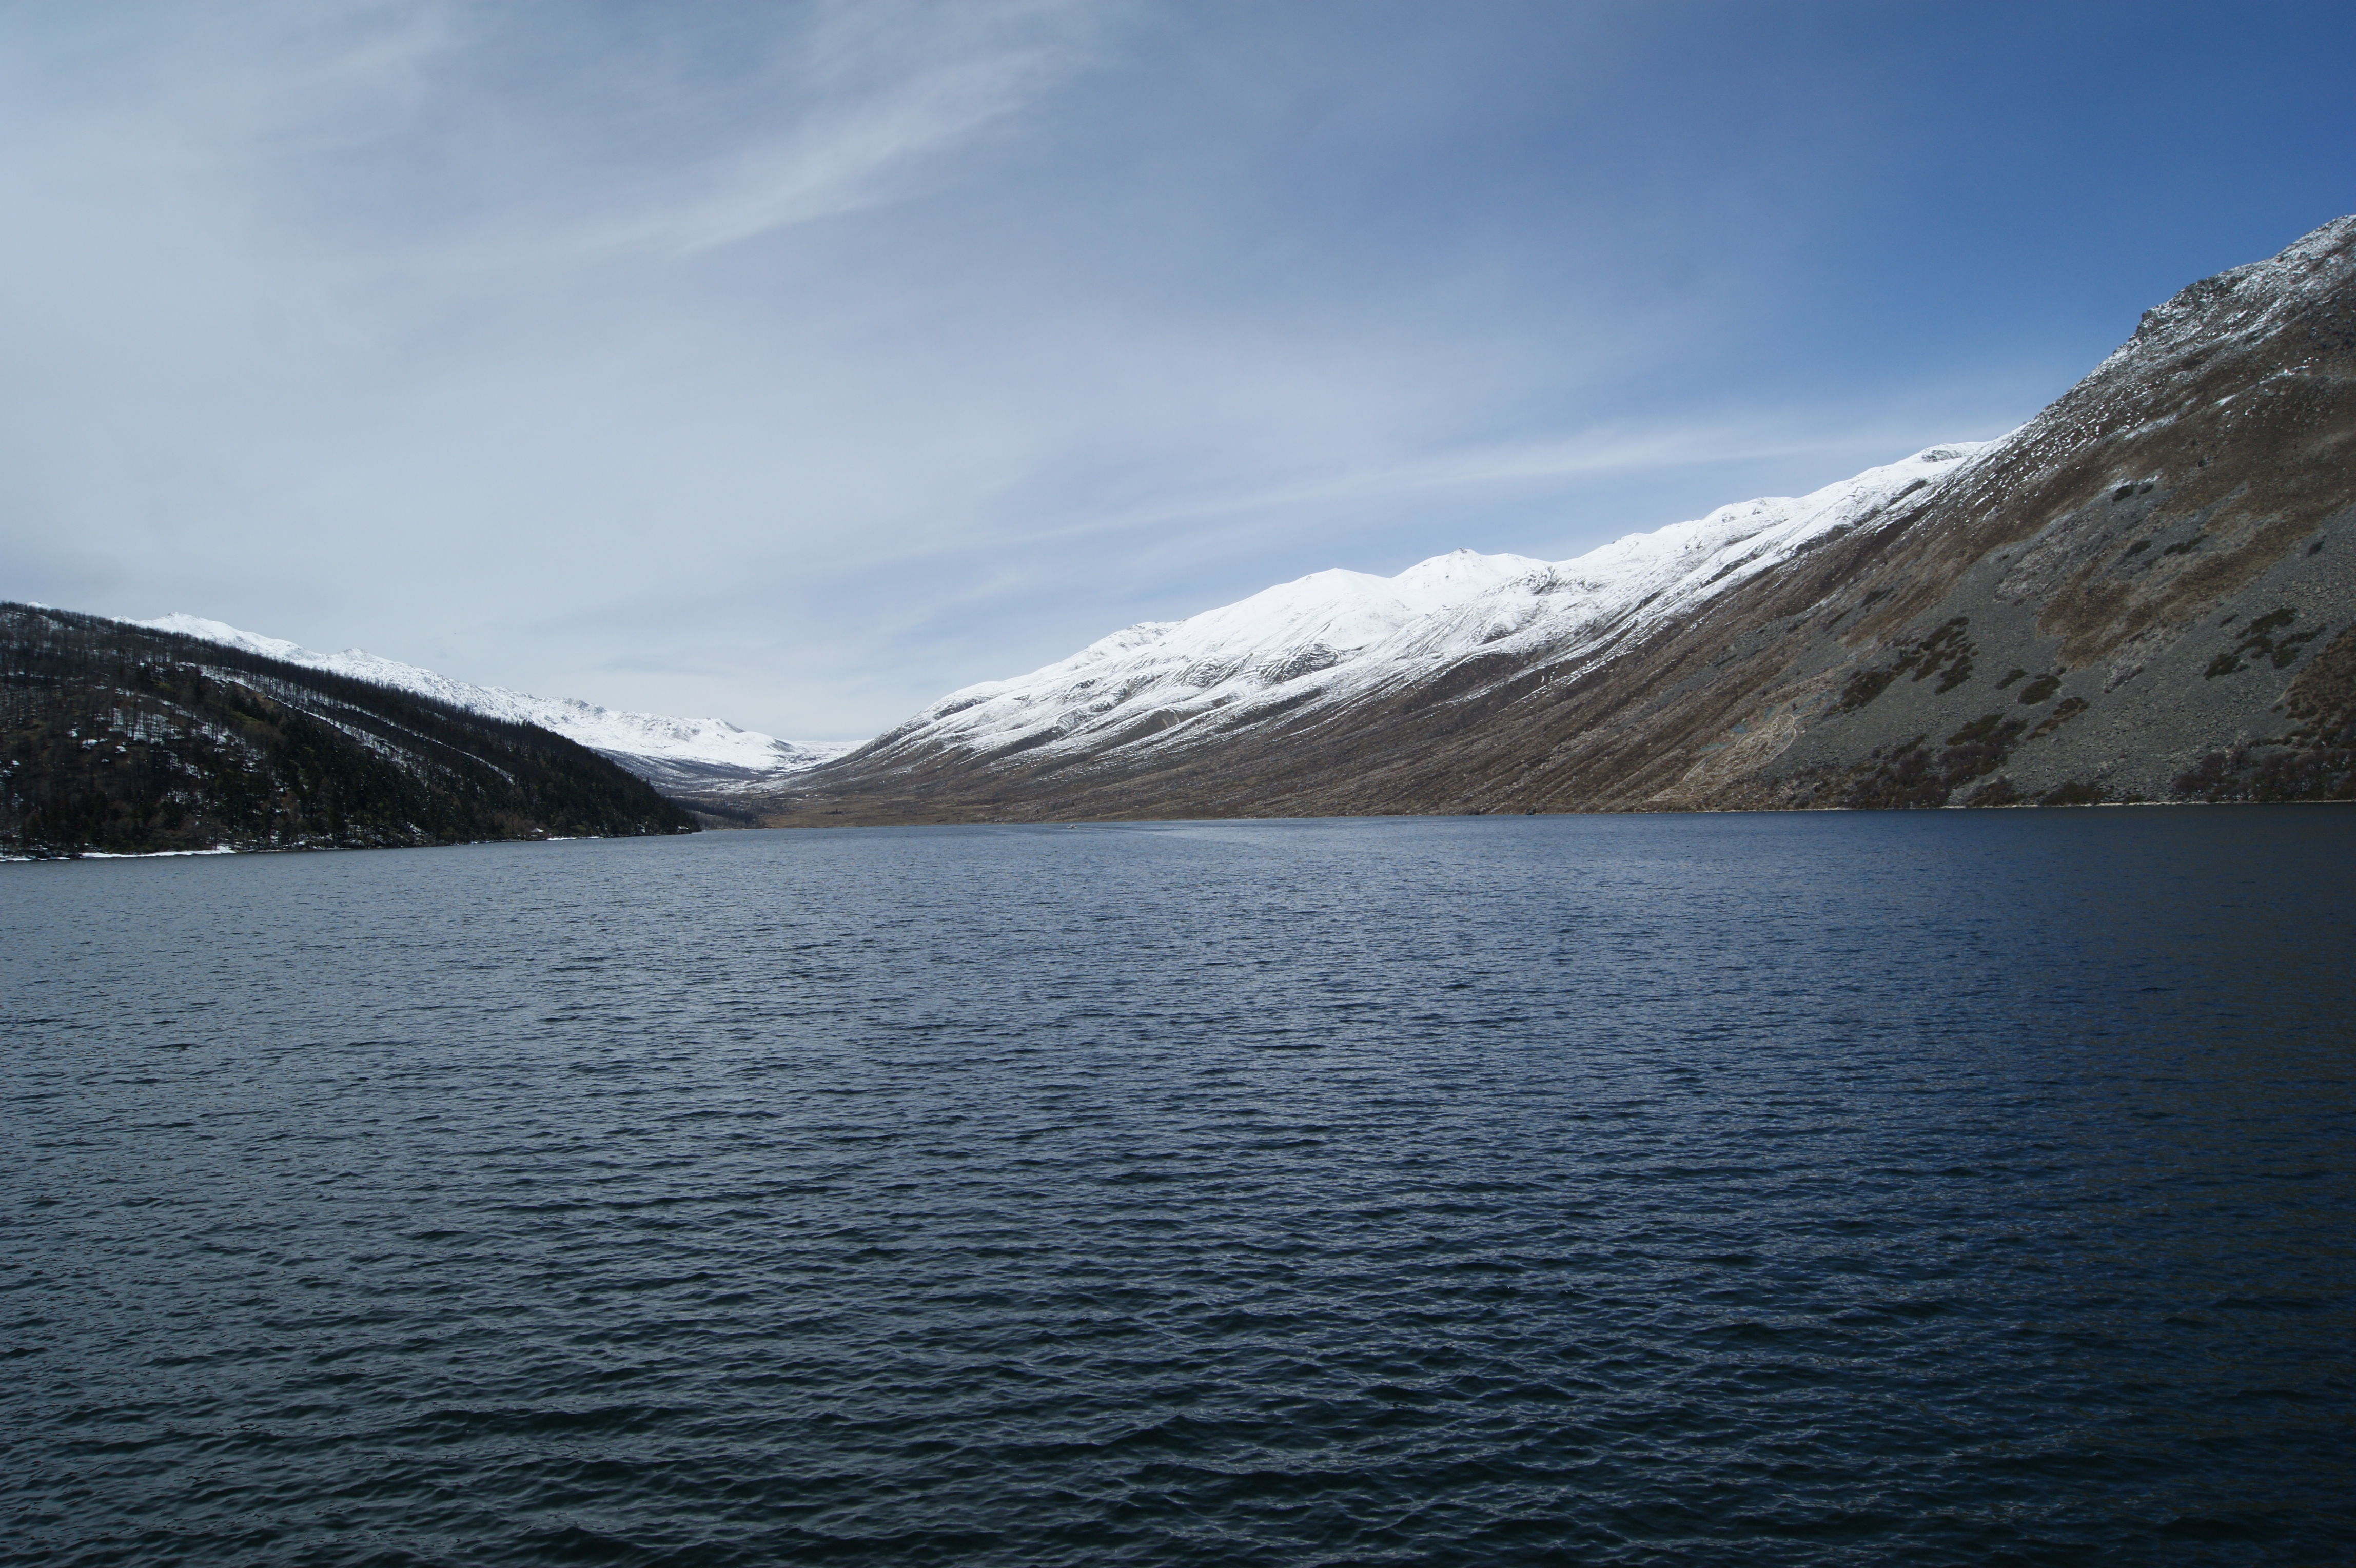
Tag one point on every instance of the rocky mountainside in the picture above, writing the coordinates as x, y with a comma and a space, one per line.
121, 739
2146, 593
704, 755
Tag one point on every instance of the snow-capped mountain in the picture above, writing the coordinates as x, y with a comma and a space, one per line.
2148, 592
669, 753
1336, 637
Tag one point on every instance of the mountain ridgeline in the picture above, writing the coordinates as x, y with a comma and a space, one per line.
2147, 592
122, 739
693, 754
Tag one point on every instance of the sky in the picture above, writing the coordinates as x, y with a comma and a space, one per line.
798, 363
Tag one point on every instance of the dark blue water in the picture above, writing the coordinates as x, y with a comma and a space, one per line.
1916, 1188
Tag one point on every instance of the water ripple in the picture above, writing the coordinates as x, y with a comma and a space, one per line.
1931, 1187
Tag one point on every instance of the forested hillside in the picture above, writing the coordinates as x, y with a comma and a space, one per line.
117, 738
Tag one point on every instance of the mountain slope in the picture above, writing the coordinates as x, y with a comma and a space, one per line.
122, 739
2146, 591
669, 753
1333, 638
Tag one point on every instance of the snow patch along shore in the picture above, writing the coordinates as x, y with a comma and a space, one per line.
669, 753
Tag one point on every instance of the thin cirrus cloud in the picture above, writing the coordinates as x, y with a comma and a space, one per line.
798, 363
1603, 451
863, 154
839, 109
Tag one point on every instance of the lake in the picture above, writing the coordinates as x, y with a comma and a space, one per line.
1926, 1187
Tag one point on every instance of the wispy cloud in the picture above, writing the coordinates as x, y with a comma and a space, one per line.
1618, 450
438, 133
889, 95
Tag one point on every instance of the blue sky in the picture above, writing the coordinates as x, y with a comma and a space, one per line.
801, 363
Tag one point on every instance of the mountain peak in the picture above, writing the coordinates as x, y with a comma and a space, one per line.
702, 753
2245, 301
1324, 641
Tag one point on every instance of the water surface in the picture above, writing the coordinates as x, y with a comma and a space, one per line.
1931, 1188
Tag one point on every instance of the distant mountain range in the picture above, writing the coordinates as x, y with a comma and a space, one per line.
2146, 593
707, 755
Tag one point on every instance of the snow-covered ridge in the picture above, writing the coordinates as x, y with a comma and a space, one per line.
700, 753
1337, 637
2246, 302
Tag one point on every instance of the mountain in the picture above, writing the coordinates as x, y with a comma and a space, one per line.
2145, 593
119, 738
709, 756
1335, 639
